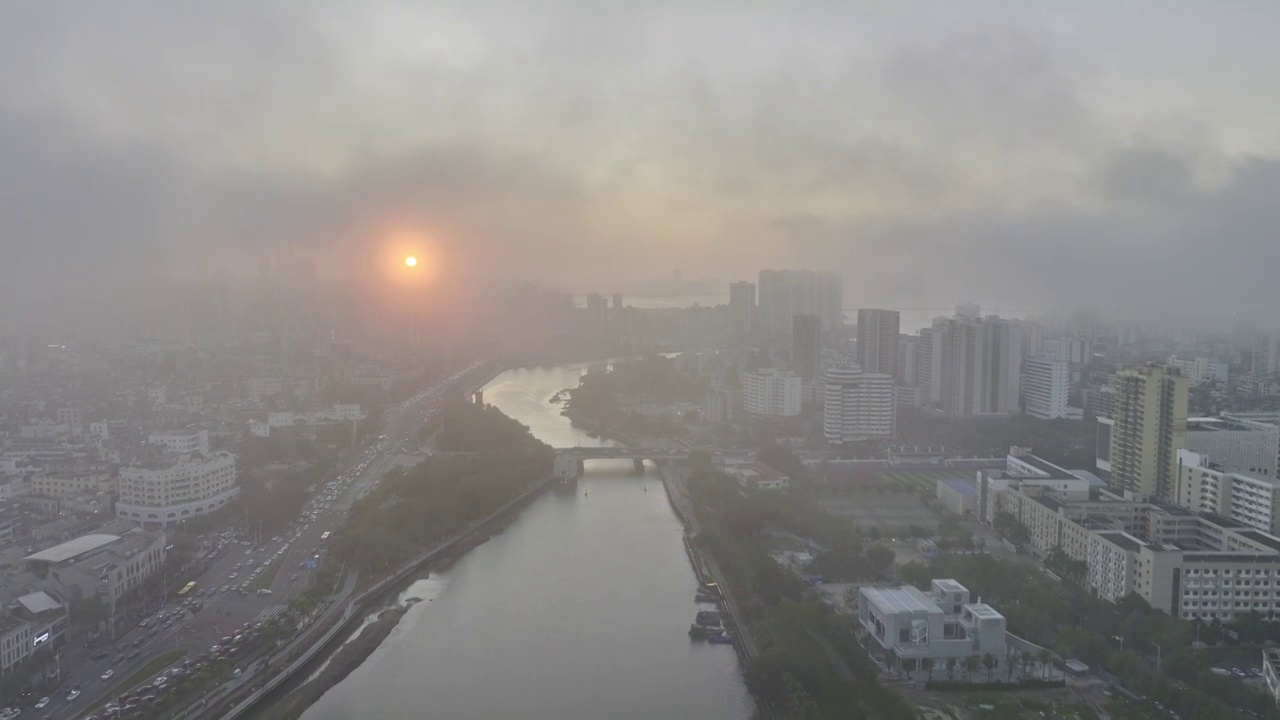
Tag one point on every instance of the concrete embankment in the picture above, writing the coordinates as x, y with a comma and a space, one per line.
345, 660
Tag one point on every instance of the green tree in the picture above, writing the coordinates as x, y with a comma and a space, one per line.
1044, 656
988, 662
926, 664
951, 668
971, 664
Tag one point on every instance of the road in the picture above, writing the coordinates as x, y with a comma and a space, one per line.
225, 609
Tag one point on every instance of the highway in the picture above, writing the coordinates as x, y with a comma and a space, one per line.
226, 610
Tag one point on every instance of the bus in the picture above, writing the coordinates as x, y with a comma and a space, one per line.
186, 589
324, 536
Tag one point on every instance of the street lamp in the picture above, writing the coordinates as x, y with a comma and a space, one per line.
1157, 656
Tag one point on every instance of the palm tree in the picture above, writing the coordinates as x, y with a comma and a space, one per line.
1045, 658
970, 664
1010, 659
951, 668
926, 664
989, 662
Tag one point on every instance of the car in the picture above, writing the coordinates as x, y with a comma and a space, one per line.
234, 575
106, 675
132, 654
72, 694
1239, 673
214, 650
101, 655
42, 702
117, 659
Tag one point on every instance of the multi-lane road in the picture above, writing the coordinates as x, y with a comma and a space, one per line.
227, 610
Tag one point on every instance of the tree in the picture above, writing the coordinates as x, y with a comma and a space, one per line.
970, 664
1045, 657
951, 668
926, 664
880, 559
988, 662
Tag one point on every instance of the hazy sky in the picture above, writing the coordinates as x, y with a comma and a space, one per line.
1024, 153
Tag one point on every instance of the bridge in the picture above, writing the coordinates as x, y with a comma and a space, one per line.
569, 460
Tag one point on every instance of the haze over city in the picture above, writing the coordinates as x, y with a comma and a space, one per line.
579, 359
1052, 154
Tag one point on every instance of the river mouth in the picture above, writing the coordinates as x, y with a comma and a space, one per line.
579, 609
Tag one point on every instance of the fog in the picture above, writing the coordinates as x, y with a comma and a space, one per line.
1029, 155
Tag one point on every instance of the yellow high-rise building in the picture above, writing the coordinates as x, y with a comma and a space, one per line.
1150, 416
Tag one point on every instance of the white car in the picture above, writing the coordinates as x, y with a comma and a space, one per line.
107, 675
43, 702
73, 695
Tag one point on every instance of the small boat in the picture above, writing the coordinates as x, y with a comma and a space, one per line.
705, 598
720, 639
708, 618
412, 600
698, 632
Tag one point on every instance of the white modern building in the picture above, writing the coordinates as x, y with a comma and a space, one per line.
1247, 498
911, 625
758, 476
1045, 384
176, 488
1248, 442
31, 622
857, 405
1201, 369
772, 392
181, 441
1188, 564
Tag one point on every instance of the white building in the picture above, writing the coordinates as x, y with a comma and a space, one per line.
1201, 369
911, 625
1247, 498
1190, 565
31, 622
1045, 384
263, 387
772, 392
758, 476
177, 488
1248, 442
181, 441
857, 405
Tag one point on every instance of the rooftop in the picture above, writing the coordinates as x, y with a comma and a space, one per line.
1258, 536
983, 611
949, 585
72, 549
904, 599
964, 487
1122, 540
38, 602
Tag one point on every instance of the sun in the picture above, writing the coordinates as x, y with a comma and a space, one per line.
411, 261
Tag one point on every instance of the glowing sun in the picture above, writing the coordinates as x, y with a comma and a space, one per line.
411, 261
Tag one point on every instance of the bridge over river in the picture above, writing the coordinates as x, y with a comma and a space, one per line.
569, 460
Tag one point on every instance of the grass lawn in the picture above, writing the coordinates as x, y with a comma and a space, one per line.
267, 577
146, 672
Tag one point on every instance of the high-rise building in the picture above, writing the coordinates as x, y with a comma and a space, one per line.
971, 311
907, 360
877, 350
785, 294
980, 366
772, 392
857, 405
931, 352
806, 346
742, 308
1044, 387
1150, 426
1265, 355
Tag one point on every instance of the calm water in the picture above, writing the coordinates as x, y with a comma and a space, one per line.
578, 610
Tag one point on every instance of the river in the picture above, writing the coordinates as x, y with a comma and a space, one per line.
579, 610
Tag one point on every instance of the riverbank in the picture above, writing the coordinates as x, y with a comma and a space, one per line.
299, 698
342, 663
